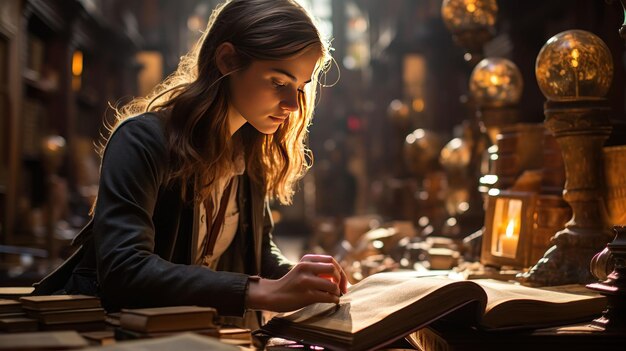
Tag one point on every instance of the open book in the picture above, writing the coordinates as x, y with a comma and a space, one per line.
387, 306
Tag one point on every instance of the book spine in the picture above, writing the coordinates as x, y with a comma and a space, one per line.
134, 322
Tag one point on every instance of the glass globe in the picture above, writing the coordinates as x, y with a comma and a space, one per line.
496, 82
459, 15
574, 65
455, 155
421, 149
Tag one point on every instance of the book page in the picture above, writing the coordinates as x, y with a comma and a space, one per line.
511, 305
375, 298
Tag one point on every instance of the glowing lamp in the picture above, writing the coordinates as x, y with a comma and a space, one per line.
469, 14
574, 71
508, 235
496, 82
574, 65
496, 86
471, 23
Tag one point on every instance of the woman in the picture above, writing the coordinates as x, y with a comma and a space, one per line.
181, 216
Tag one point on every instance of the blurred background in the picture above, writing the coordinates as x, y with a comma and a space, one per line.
406, 149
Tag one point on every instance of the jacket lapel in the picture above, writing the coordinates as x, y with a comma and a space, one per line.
257, 204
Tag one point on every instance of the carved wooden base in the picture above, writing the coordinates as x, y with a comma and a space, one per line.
614, 318
559, 266
614, 287
567, 261
580, 128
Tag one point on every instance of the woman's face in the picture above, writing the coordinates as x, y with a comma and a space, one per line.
266, 92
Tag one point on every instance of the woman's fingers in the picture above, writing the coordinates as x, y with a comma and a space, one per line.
320, 284
343, 282
316, 277
339, 275
316, 258
323, 259
310, 281
316, 268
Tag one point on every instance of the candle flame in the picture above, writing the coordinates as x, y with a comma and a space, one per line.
77, 63
510, 228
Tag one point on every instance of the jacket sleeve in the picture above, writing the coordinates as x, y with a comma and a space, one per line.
273, 263
130, 274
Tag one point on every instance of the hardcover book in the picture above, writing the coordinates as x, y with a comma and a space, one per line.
10, 306
441, 336
174, 318
387, 306
59, 302
15, 292
68, 316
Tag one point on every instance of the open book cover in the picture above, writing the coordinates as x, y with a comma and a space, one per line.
387, 306
441, 336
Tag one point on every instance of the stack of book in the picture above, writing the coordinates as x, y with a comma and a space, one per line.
10, 308
113, 319
59, 312
15, 292
13, 318
165, 321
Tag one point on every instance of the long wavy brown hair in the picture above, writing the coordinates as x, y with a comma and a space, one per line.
197, 94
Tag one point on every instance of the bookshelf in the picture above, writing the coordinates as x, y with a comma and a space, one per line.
9, 14
61, 62
4, 111
42, 88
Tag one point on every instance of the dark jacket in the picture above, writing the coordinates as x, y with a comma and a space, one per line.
136, 250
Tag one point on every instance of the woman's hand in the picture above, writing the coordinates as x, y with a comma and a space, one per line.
308, 282
338, 277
